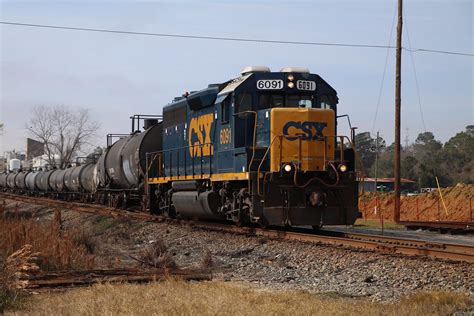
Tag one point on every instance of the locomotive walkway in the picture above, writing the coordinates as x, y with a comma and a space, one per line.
385, 244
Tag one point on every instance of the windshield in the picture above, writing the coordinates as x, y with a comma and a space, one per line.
280, 101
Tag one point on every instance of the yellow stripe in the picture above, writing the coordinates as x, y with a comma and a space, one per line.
215, 177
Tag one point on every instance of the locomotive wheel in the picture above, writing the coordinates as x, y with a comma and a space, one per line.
242, 218
169, 212
263, 223
317, 227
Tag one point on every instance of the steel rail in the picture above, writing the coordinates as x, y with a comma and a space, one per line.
450, 247
393, 245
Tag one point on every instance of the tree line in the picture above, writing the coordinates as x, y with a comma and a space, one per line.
423, 160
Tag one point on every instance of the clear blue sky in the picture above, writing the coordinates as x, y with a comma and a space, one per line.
118, 75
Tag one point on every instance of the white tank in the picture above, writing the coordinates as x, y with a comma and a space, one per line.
15, 164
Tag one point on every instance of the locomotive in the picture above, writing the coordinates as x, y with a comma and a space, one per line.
261, 148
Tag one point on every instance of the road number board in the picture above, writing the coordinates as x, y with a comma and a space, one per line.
306, 85
269, 84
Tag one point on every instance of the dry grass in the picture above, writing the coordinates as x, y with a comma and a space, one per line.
59, 249
174, 297
9, 298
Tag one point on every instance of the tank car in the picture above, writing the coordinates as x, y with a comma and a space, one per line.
11, 180
3, 181
57, 181
42, 182
120, 171
20, 181
261, 148
30, 182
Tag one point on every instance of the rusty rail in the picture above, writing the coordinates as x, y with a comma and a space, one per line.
67, 279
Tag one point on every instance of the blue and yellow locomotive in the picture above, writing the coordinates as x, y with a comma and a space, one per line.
262, 148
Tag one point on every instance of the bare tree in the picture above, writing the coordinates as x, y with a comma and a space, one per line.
64, 132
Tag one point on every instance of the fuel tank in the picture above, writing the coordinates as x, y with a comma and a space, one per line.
191, 204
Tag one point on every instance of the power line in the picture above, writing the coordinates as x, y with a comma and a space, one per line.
234, 39
383, 75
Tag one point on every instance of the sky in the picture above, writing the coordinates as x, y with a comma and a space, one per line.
117, 75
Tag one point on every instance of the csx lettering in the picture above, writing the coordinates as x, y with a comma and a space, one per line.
199, 139
305, 130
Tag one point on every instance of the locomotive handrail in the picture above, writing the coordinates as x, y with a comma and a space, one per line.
255, 114
323, 138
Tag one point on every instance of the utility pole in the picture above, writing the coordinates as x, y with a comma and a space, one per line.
407, 139
398, 70
376, 160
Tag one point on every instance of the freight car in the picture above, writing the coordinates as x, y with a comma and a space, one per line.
261, 148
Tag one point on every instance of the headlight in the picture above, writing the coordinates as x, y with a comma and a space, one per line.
287, 168
342, 168
291, 77
291, 84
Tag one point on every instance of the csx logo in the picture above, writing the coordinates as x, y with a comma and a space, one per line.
199, 139
305, 130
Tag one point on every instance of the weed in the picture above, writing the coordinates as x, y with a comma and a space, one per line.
83, 238
207, 261
104, 223
156, 255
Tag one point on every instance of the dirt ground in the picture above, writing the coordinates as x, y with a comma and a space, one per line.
459, 201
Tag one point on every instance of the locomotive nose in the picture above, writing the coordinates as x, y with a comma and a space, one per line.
303, 136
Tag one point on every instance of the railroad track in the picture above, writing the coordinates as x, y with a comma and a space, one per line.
386, 244
393, 245
70, 279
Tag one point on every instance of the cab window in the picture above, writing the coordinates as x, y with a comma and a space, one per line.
299, 101
267, 101
225, 110
244, 102
325, 102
